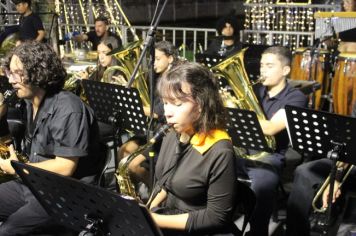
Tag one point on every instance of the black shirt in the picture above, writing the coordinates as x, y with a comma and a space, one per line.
217, 48
95, 40
348, 35
270, 106
29, 27
201, 183
64, 126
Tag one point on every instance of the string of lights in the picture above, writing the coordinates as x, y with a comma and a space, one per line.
288, 24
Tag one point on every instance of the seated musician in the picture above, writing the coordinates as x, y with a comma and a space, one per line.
100, 32
347, 38
273, 94
166, 57
104, 61
61, 134
196, 172
227, 43
308, 178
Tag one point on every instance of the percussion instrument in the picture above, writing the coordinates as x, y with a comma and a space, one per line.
320, 68
344, 84
326, 22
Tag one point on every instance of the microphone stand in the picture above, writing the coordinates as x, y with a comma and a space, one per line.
313, 73
149, 43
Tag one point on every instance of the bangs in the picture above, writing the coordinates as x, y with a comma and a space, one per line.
171, 88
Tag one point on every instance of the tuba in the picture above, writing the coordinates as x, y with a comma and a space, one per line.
127, 59
73, 83
233, 70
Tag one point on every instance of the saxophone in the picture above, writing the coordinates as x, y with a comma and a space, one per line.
5, 141
233, 70
122, 174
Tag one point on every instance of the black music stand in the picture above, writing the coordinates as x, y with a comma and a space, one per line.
323, 134
86, 208
208, 60
116, 105
245, 130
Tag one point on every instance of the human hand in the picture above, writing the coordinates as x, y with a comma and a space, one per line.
5, 164
336, 194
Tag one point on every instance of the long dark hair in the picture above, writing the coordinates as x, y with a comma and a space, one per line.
42, 66
204, 91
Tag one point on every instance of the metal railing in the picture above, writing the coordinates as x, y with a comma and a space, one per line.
189, 41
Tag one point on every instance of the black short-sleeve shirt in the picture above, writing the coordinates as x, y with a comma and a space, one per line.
65, 127
348, 35
95, 40
29, 27
270, 106
215, 48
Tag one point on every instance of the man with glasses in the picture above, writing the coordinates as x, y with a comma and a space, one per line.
61, 133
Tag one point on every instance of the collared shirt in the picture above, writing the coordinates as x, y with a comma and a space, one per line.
65, 127
270, 106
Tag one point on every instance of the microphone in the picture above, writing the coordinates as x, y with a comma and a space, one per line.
160, 133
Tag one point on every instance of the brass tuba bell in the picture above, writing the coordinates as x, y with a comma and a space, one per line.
233, 70
127, 59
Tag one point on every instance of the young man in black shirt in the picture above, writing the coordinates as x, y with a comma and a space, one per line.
101, 31
61, 133
273, 94
31, 27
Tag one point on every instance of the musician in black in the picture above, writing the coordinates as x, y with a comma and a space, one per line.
273, 94
227, 43
105, 61
31, 27
307, 181
100, 32
61, 133
166, 58
196, 170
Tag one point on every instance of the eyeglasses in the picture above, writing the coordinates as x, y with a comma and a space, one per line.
16, 76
